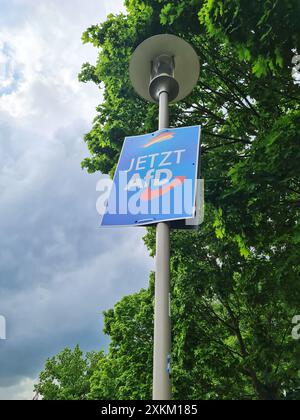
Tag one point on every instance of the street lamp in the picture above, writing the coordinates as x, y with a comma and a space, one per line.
163, 69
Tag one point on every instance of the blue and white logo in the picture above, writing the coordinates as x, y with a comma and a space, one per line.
156, 179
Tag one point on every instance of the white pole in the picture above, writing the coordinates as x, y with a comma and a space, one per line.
162, 320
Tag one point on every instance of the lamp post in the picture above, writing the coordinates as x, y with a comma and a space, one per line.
163, 69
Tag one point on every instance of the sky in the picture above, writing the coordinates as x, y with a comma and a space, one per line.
58, 270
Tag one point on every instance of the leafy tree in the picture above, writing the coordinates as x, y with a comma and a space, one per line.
235, 282
67, 375
262, 33
127, 371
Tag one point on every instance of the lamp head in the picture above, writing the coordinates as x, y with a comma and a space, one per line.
164, 63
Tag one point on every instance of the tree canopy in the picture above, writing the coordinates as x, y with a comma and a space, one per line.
236, 281
67, 375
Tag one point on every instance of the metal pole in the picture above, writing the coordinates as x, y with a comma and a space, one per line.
162, 320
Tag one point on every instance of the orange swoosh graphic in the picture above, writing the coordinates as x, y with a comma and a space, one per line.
149, 194
160, 138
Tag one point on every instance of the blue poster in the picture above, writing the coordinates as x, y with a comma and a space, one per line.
155, 179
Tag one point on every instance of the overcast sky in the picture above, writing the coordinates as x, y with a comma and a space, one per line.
58, 270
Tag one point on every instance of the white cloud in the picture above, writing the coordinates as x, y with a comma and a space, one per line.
22, 391
45, 46
58, 271
47, 50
